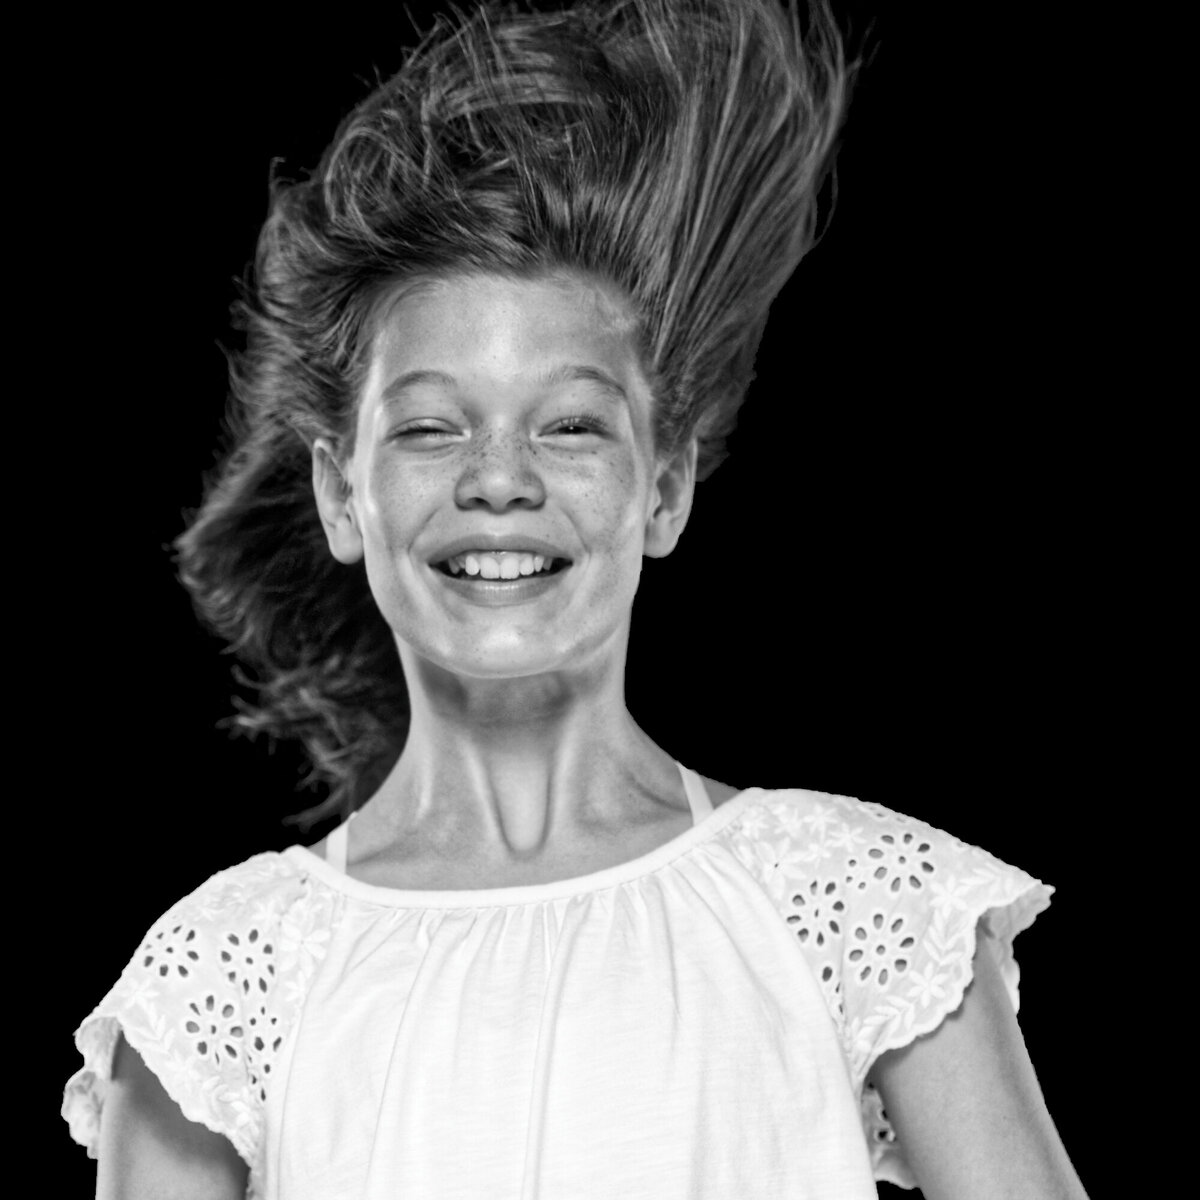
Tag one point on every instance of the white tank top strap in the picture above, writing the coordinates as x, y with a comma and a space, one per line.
336, 843
697, 794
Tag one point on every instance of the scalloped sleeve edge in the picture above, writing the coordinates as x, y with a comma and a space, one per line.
199, 1101
1005, 917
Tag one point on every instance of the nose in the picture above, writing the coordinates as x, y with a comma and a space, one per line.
500, 475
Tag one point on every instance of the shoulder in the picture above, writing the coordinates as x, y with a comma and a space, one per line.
267, 876
811, 832
208, 997
239, 924
885, 907
807, 825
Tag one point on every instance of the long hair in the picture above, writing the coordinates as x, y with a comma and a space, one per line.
675, 148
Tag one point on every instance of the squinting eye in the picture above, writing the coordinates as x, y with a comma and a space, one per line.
584, 423
418, 429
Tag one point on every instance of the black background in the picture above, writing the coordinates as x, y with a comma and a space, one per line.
884, 591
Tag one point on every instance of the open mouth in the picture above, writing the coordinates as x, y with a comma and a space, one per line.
502, 567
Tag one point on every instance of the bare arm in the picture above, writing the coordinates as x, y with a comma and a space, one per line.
967, 1107
150, 1151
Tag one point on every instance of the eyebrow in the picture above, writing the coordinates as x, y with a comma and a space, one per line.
566, 373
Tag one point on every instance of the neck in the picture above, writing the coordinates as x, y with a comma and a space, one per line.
512, 770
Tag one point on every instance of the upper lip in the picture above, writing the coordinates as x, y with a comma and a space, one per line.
518, 543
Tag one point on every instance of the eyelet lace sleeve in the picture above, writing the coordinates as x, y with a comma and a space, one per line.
207, 1002
885, 909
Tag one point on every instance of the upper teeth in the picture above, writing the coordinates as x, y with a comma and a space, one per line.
501, 564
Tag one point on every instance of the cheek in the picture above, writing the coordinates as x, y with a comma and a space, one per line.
613, 509
387, 511
389, 502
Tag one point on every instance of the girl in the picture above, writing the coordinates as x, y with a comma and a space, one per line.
497, 339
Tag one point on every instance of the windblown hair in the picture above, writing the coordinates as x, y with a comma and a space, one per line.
674, 148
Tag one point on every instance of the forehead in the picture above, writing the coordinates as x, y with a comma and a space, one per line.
487, 325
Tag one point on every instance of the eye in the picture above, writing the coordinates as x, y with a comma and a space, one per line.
418, 431
583, 423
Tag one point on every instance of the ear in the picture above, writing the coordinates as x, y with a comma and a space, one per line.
334, 504
674, 489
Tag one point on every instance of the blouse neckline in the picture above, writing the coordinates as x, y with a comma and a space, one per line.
527, 893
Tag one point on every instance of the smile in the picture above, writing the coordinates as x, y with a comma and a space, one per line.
498, 591
500, 564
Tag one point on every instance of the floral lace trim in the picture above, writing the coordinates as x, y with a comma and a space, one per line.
885, 908
898, 1025
216, 1104
199, 1002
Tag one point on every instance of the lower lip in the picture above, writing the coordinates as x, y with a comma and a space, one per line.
496, 593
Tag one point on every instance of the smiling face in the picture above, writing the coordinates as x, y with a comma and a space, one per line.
504, 414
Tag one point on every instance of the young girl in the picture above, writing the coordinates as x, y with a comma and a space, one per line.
498, 338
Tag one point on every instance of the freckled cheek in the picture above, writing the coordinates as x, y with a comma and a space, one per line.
617, 525
387, 511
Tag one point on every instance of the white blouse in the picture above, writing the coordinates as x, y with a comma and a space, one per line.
695, 1024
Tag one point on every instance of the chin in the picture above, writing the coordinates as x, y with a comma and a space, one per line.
510, 664
500, 659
